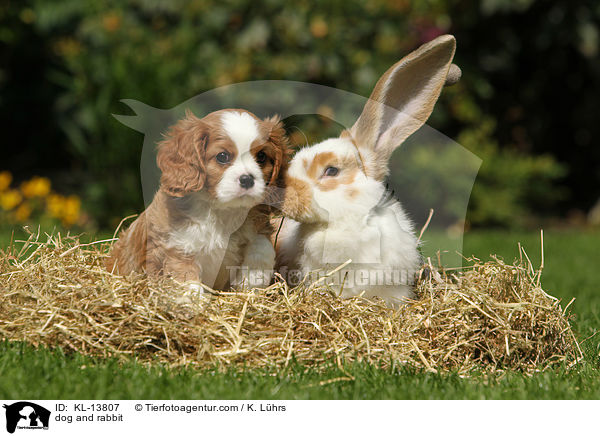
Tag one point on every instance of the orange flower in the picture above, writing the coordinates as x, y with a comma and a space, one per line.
5, 180
36, 187
10, 199
23, 212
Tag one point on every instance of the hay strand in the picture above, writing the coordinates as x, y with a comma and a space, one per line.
489, 316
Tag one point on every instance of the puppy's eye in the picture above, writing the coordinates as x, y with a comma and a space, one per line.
331, 171
223, 157
261, 157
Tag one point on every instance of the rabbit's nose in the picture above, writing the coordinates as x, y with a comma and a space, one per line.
247, 181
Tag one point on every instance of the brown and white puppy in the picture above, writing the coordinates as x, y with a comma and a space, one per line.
209, 217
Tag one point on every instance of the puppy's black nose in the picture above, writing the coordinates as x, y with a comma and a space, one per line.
247, 181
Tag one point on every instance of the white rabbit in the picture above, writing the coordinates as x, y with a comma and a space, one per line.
336, 203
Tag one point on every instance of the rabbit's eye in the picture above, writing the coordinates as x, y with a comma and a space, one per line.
261, 157
223, 157
331, 171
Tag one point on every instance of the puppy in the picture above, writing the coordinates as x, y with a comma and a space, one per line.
209, 221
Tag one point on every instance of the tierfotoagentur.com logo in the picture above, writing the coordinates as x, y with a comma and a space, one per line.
24, 415
356, 276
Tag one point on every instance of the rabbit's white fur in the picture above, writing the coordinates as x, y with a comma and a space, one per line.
346, 213
348, 224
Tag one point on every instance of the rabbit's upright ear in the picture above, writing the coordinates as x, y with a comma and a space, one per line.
402, 101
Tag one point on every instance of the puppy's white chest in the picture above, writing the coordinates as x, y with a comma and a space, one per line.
198, 238
210, 246
207, 230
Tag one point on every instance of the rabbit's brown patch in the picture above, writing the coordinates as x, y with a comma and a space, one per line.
346, 178
319, 161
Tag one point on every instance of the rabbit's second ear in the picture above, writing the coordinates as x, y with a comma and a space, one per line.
402, 101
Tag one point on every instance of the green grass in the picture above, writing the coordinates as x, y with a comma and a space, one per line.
571, 260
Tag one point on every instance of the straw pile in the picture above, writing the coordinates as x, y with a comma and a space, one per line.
490, 316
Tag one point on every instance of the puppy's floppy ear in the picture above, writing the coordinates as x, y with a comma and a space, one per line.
277, 137
181, 157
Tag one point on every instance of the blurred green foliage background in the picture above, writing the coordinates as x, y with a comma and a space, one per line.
526, 105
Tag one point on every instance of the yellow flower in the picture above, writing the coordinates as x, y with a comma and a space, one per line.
36, 187
10, 199
27, 16
67, 209
68, 47
54, 205
5, 180
71, 208
319, 28
111, 22
23, 212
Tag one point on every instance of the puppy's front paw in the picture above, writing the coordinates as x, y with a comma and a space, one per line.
194, 293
